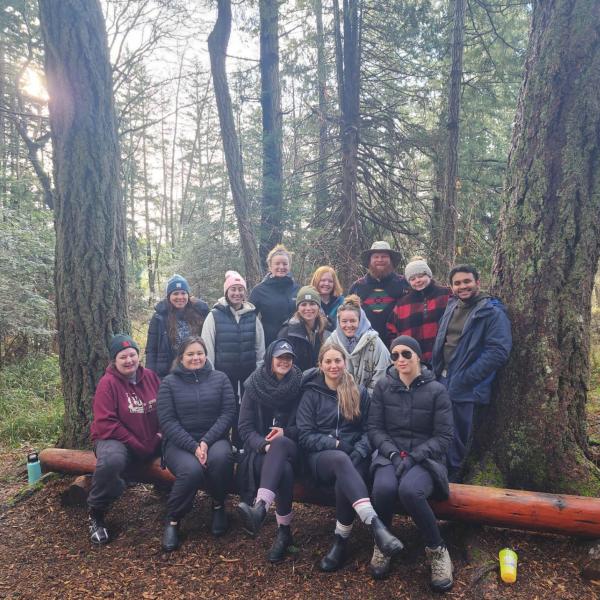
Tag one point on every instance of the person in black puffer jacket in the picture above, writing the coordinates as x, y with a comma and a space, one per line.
196, 409
275, 296
176, 317
267, 425
331, 421
306, 330
411, 427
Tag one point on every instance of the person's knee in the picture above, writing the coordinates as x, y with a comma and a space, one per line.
384, 491
409, 493
112, 462
284, 444
220, 455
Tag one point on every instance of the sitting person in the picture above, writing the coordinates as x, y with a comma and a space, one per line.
196, 409
124, 429
332, 422
410, 426
366, 355
267, 428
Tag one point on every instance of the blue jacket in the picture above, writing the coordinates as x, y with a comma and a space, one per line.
482, 349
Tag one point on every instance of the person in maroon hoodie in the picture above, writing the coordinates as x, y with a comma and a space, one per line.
124, 430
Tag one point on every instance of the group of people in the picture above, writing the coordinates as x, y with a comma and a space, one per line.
371, 394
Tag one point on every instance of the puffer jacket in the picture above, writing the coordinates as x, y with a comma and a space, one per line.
306, 353
195, 406
483, 348
159, 352
320, 422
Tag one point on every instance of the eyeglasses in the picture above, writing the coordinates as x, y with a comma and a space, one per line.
407, 354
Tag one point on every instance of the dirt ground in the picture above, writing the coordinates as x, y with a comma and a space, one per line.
45, 553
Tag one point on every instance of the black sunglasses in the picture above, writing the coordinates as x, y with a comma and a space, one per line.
407, 354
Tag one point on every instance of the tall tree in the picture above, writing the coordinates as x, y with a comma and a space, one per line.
217, 48
270, 100
90, 277
547, 255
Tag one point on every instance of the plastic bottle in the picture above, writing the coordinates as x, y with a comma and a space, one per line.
508, 565
34, 467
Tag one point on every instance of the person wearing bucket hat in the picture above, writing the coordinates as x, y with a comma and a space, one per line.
410, 425
234, 338
307, 329
124, 429
381, 286
176, 317
418, 313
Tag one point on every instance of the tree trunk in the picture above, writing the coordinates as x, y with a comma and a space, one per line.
217, 48
444, 209
547, 255
90, 269
271, 231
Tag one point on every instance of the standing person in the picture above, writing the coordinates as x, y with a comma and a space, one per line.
275, 296
366, 355
306, 330
176, 317
381, 287
410, 426
234, 338
418, 313
473, 342
268, 429
326, 282
332, 430
196, 409
124, 429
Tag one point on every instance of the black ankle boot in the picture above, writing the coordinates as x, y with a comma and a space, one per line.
281, 544
386, 542
220, 523
336, 556
170, 539
252, 516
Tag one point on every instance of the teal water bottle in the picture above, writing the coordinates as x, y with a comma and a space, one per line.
34, 467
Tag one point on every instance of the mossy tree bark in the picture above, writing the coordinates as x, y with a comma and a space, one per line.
547, 255
90, 269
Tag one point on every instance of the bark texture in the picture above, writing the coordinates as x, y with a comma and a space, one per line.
217, 48
90, 270
547, 256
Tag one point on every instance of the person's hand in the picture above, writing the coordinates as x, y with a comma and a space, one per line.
345, 447
202, 453
274, 434
356, 457
405, 465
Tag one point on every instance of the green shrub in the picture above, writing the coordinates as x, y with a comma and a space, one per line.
31, 404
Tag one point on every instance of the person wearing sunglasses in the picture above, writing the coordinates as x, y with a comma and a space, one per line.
410, 425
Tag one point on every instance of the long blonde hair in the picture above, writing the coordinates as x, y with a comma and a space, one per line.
347, 390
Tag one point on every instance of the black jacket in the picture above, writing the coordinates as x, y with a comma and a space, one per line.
159, 352
306, 353
195, 406
417, 420
320, 422
275, 301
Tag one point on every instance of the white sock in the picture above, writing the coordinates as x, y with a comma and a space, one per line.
342, 530
365, 511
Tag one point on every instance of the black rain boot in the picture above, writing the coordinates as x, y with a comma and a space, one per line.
281, 544
386, 542
336, 556
170, 539
220, 523
252, 516
98, 531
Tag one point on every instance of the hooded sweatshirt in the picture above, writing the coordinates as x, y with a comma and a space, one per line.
126, 411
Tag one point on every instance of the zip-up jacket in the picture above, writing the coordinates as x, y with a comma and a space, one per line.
306, 352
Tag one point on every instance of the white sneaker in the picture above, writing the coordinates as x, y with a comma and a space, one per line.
441, 568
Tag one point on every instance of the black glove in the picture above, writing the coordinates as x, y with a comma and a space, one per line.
405, 465
396, 460
345, 447
356, 457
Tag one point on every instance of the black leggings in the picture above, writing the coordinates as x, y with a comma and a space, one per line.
276, 472
334, 467
413, 489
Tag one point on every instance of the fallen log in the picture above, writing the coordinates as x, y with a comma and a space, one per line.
516, 509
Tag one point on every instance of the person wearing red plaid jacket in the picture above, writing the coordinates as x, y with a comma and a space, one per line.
419, 312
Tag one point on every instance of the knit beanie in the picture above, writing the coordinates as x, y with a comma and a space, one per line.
417, 267
406, 340
177, 283
308, 294
119, 342
233, 278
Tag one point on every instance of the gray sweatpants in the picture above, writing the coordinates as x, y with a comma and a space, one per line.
112, 458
